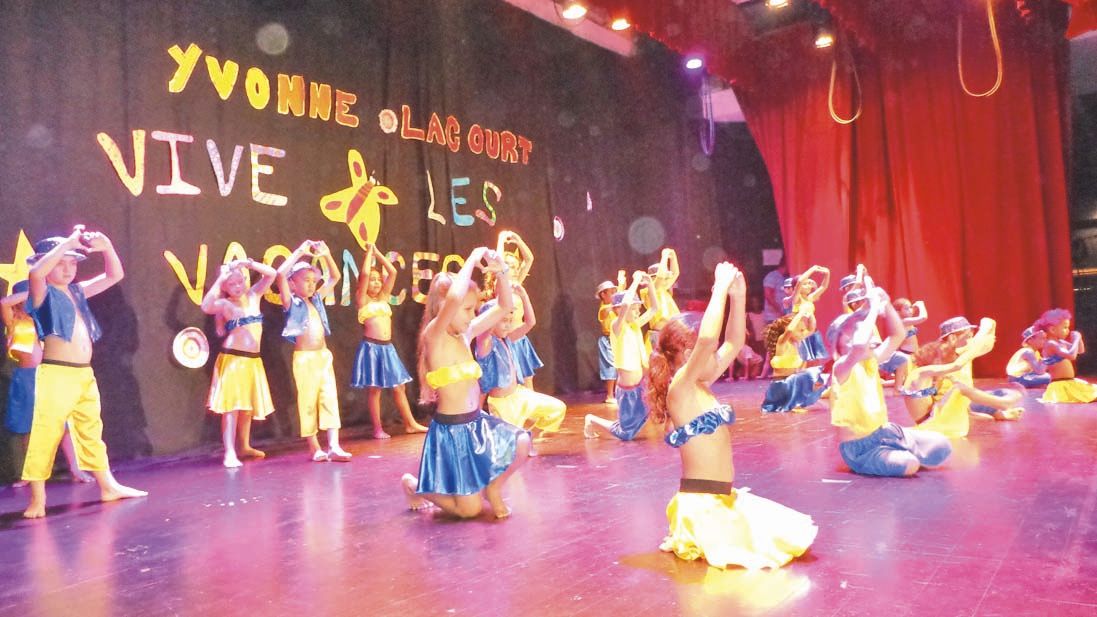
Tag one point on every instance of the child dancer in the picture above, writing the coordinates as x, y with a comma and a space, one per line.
606, 371
238, 390
1062, 348
794, 387
663, 276
868, 443
1026, 365
26, 352
466, 452
376, 365
520, 262
898, 365
307, 328
65, 386
707, 517
508, 399
805, 294
631, 362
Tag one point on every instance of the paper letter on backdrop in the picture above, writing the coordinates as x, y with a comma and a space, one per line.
460, 220
278, 250
257, 87
136, 182
178, 186
343, 115
359, 205
223, 185
319, 101
223, 77
489, 216
270, 199
186, 61
350, 273
418, 275
291, 94
431, 214
196, 291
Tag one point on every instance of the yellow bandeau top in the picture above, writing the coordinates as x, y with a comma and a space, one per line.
374, 308
23, 337
447, 375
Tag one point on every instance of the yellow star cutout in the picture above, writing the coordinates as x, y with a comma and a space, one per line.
18, 269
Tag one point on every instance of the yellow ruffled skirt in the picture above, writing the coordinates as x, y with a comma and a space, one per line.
738, 529
240, 384
1070, 391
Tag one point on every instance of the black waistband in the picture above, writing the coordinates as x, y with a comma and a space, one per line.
713, 487
242, 354
68, 364
456, 418
1052, 381
376, 341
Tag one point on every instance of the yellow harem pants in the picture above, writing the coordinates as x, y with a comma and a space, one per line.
317, 401
65, 394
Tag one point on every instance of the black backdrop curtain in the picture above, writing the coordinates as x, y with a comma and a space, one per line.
611, 146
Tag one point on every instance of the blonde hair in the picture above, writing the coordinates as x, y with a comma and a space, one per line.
436, 296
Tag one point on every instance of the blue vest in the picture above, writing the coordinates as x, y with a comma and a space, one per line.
57, 315
297, 317
496, 367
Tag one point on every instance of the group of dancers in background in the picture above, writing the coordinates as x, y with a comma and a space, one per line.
475, 365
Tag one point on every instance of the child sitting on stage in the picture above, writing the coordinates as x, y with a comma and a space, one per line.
868, 443
26, 352
507, 397
65, 386
467, 453
631, 361
307, 328
794, 387
239, 390
806, 292
1061, 350
1026, 365
707, 517
377, 366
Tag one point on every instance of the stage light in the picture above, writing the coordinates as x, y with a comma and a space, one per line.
823, 38
776, 4
620, 24
694, 62
574, 10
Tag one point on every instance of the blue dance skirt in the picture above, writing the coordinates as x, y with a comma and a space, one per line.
606, 370
632, 412
376, 365
1032, 380
793, 392
526, 358
812, 348
20, 400
463, 453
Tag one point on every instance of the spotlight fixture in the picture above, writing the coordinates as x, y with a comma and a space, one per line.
823, 38
776, 4
620, 24
694, 62
574, 10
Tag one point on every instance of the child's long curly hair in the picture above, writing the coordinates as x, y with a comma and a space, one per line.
675, 339
929, 354
439, 287
774, 331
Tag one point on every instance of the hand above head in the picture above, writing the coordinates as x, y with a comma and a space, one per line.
724, 274
879, 298
320, 248
738, 287
492, 261
95, 242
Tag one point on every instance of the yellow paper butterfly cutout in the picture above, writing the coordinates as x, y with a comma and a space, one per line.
359, 205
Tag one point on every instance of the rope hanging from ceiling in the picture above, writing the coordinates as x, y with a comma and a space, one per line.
960, 52
856, 80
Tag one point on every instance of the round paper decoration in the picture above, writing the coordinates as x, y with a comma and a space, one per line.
190, 348
557, 228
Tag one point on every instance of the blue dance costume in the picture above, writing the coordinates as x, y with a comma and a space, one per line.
376, 364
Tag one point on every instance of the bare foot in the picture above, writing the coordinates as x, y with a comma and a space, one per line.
118, 491
20, 484
232, 462
380, 434
82, 476
250, 452
494, 496
588, 428
1012, 413
415, 428
409, 483
35, 510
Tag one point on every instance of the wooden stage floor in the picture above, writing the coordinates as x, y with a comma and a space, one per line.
1007, 527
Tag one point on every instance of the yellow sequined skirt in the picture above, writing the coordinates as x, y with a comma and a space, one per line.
240, 384
738, 529
1069, 391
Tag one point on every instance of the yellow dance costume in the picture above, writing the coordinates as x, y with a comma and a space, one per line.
64, 392
239, 379
628, 348
497, 370
950, 415
858, 402
454, 373
668, 309
313, 369
1070, 390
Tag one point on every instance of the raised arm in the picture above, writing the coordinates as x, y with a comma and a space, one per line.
529, 319
626, 301
113, 273
361, 293
212, 302
6, 312
823, 283
653, 298
919, 316
267, 275
525, 259
388, 277
670, 264
896, 333
859, 344
286, 267
451, 304
735, 331
504, 298
622, 280
36, 278
699, 365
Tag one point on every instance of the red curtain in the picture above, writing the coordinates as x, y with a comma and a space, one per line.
957, 200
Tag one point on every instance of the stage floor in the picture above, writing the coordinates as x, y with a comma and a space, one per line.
1006, 527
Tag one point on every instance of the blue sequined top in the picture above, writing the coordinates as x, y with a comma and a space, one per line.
233, 324
1053, 359
706, 424
297, 317
497, 367
56, 316
912, 331
923, 393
